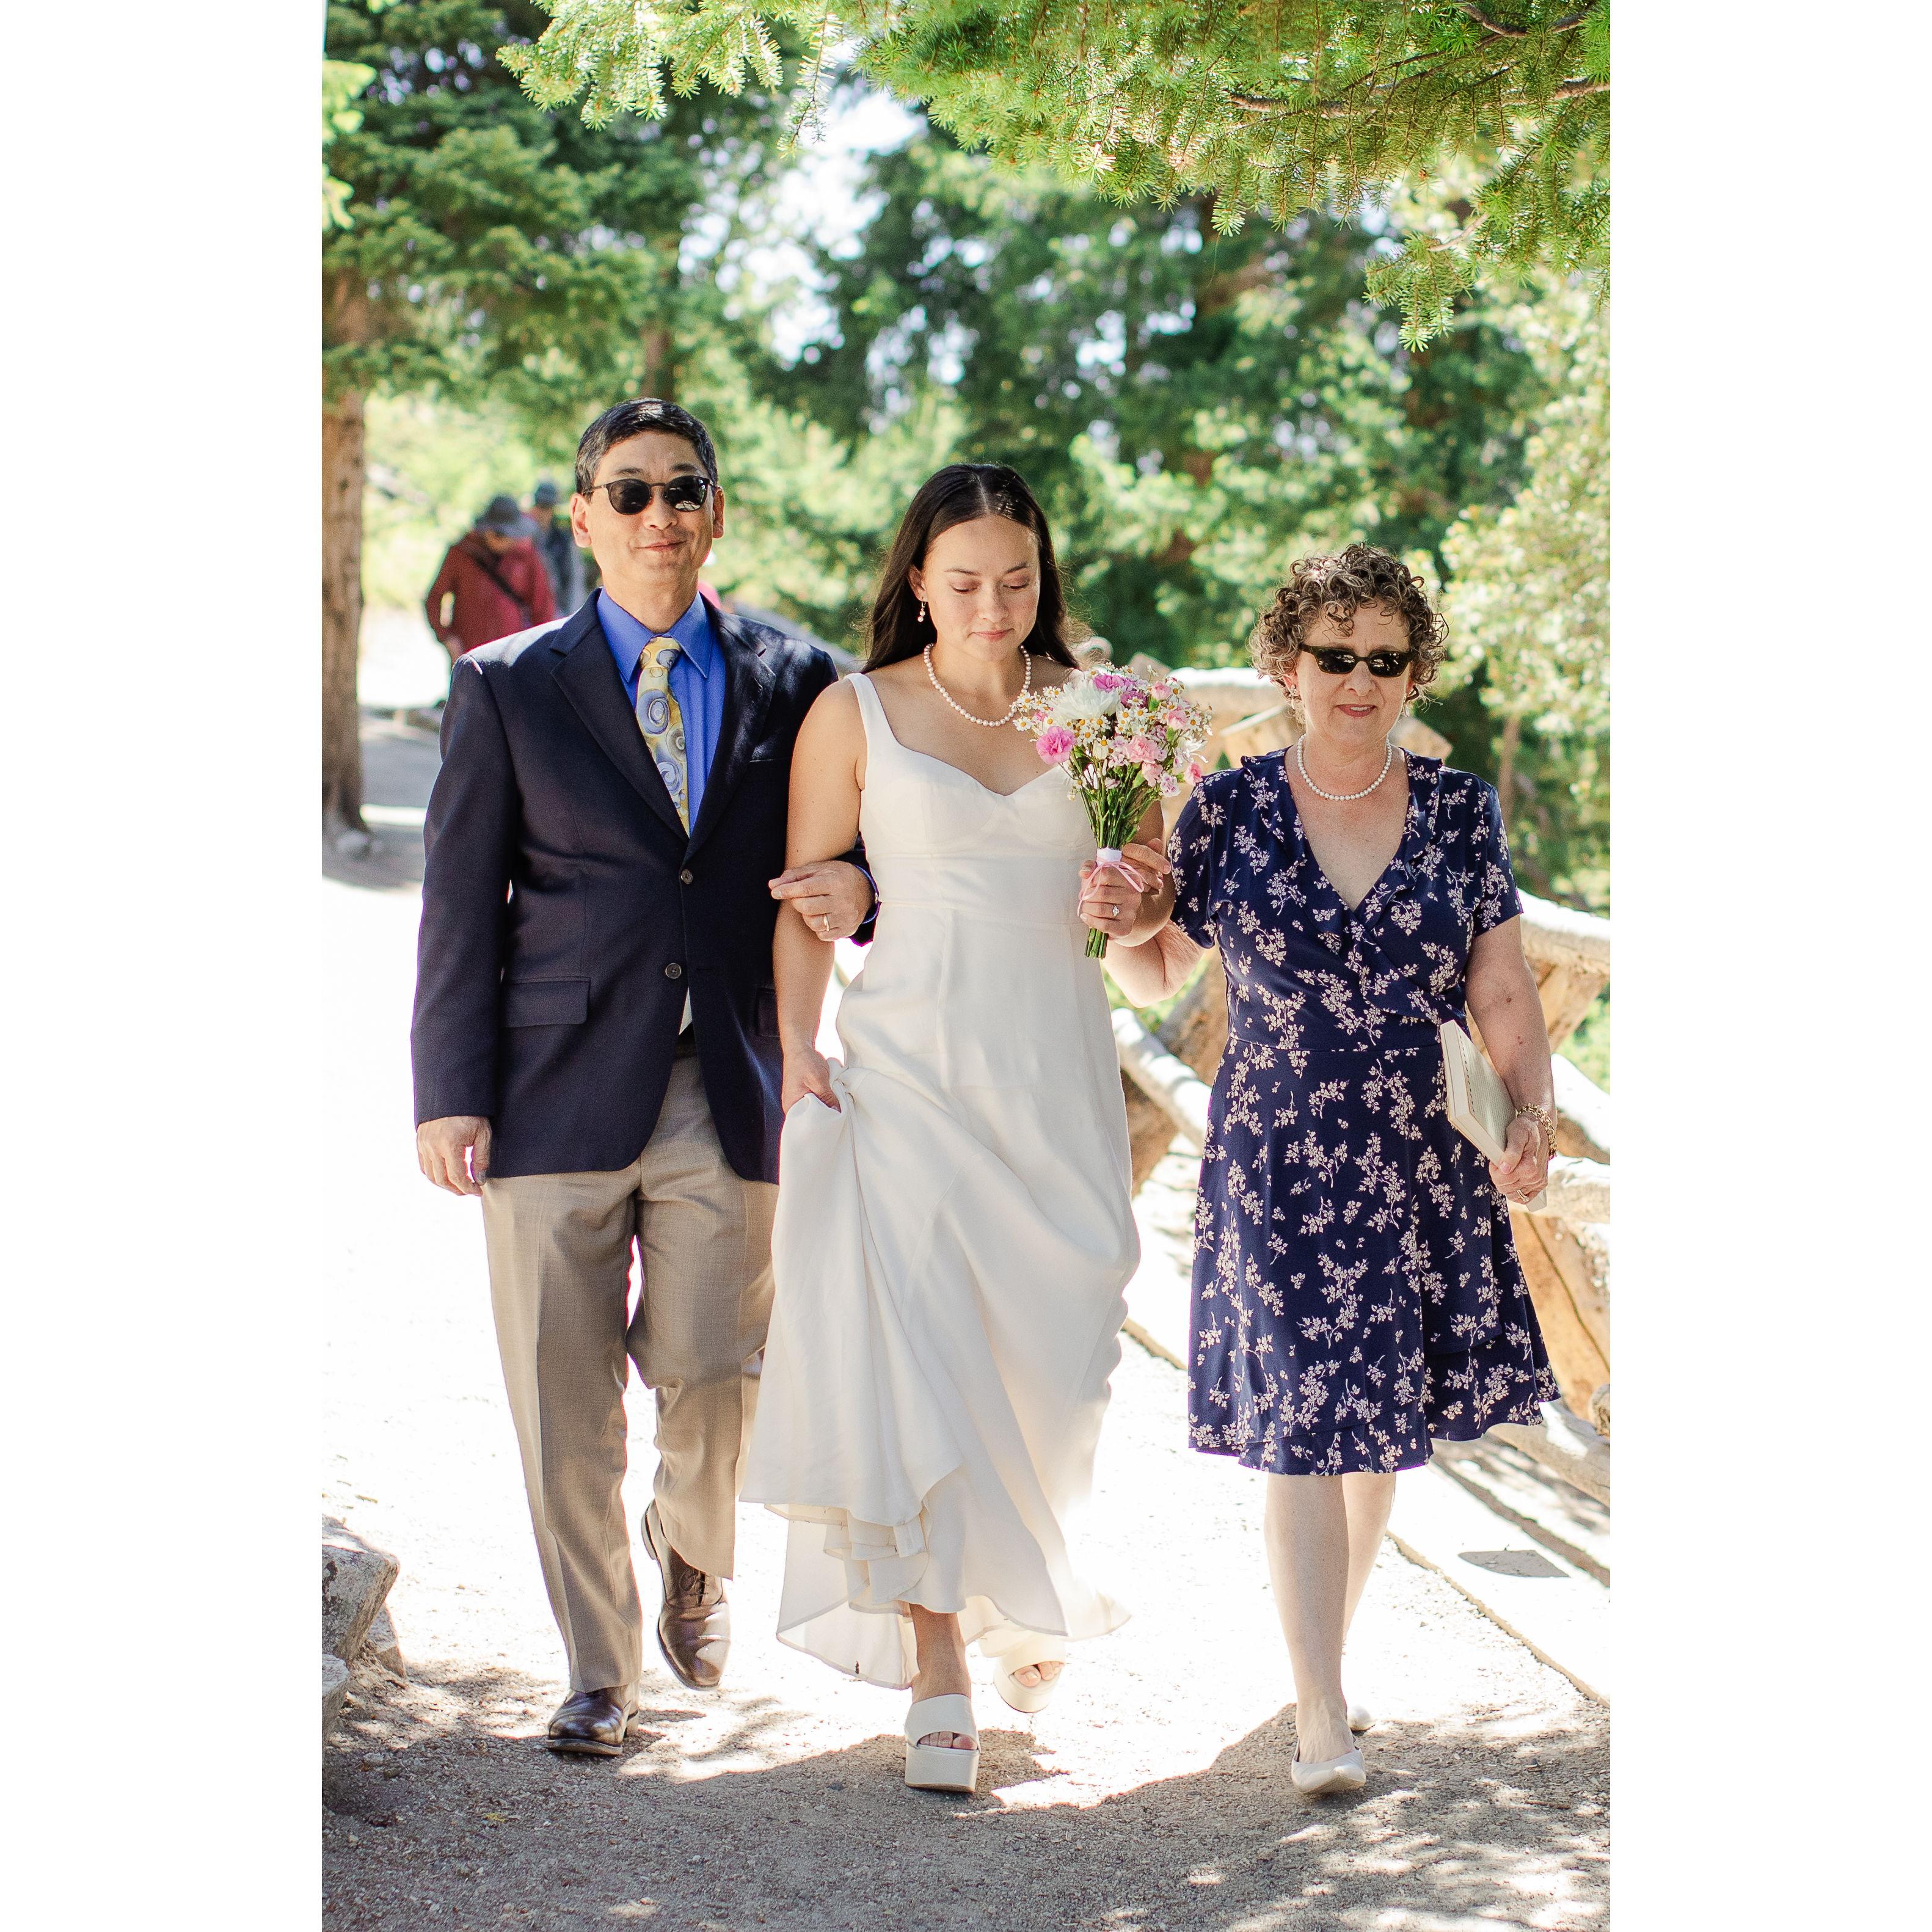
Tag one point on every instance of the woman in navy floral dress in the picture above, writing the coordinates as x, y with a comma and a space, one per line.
1356, 1288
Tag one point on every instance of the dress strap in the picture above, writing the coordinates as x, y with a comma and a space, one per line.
872, 715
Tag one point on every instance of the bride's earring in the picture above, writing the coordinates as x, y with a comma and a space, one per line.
921, 618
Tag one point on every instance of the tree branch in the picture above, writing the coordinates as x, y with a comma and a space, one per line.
1484, 19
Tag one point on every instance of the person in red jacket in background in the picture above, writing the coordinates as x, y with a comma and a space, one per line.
494, 580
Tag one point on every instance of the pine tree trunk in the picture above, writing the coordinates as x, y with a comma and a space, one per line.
1506, 751
659, 376
342, 476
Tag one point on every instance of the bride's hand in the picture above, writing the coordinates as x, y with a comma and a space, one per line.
1112, 897
807, 1071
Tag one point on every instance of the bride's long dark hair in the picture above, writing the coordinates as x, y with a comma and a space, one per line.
958, 494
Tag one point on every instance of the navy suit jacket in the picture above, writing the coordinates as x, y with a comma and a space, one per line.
566, 912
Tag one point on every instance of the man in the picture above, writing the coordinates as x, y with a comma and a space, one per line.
556, 544
494, 580
595, 1038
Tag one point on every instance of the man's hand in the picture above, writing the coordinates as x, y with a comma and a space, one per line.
454, 1153
832, 896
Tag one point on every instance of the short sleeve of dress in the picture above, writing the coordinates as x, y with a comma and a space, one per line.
1491, 876
1194, 852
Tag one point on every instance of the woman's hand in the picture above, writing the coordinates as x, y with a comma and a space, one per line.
1525, 1166
1115, 899
806, 1071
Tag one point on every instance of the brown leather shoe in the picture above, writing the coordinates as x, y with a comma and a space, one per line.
694, 1625
591, 1723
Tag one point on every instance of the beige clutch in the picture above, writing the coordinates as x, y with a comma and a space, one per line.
1479, 1104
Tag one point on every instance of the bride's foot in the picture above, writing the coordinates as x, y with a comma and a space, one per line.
1322, 1732
942, 1672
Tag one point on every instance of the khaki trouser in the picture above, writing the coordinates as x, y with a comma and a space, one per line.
559, 1248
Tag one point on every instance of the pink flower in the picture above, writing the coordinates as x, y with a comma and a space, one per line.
1115, 680
1154, 775
1196, 771
1141, 751
1056, 744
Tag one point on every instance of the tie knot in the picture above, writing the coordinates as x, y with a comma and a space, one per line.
663, 652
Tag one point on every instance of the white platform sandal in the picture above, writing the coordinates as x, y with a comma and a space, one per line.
1028, 1698
1346, 1773
942, 1767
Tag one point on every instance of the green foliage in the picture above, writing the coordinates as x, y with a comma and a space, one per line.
1257, 106
1588, 1048
342, 81
1194, 408
1529, 605
500, 249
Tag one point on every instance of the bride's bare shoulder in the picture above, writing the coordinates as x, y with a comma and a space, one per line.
1047, 676
901, 672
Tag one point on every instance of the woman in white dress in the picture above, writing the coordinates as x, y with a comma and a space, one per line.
954, 1228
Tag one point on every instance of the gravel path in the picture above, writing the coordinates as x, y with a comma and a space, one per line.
1153, 1794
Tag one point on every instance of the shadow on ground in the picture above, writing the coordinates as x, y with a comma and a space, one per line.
443, 1808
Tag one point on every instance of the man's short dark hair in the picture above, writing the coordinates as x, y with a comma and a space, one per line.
634, 418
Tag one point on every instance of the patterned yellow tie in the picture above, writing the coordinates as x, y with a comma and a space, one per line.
662, 722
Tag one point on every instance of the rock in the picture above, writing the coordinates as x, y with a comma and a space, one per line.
353, 843
381, 1643
334, 1688
355, 1578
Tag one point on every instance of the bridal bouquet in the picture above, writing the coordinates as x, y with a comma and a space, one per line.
1125, 741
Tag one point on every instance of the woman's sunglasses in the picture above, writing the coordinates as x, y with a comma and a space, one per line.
1381, 664
630, 494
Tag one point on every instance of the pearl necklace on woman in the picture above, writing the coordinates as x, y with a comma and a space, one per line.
1343, 797
991, 724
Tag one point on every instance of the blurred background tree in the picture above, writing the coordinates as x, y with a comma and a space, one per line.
1529, 604
1196, 405
489, 252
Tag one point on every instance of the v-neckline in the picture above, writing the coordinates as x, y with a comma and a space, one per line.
1300, 828
947, 764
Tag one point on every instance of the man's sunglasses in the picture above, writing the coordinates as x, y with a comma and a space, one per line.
630, 494
1381, 664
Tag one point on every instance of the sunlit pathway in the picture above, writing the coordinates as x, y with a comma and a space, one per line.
1153, 1793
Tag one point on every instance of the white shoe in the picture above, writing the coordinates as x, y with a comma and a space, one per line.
1027, 1698
942, 1767
1360, 1719
1346, 1773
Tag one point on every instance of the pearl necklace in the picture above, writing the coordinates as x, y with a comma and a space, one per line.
1343, 797
991, 724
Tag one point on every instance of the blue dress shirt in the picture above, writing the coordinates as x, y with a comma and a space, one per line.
697, 679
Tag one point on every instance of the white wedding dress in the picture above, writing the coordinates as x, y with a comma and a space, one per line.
951, 1246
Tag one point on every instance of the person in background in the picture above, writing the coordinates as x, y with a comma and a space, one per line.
493, 581
557, 547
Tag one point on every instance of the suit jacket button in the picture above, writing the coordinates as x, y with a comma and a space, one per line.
684, 877
674, 971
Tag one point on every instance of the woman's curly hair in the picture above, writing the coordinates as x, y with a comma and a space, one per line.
1336, 587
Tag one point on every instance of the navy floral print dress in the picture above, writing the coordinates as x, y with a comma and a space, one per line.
1356, 1287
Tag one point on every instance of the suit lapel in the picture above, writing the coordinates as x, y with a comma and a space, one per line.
748, 686
586, 673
